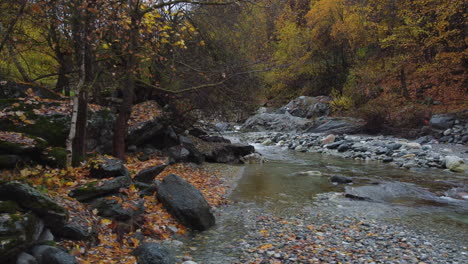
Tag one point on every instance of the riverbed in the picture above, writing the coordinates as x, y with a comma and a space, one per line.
279, 214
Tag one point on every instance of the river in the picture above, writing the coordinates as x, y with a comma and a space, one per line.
279, 189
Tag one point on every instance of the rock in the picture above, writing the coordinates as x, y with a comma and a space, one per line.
382, 151
455, 164
443, 121
335, 145
96, 189
387, 159
447, 132
17, 90
153, 253
185, 203
410, 164
185, 152
231, 153
276, 122
222, 126
307, 107
340, 179
254, 158
413, 145
46, 235
388, 191
328, 139
265, 110
54, 215
215, 139
18, 231
337, 125
394, 146
74, 231
58, 257
197, 132
107, 167
10, 161
146, 189
25, 258
52, 255
345, 147
267, 142
148, 175
111, 207
146, 132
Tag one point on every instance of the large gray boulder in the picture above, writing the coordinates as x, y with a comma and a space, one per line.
153, 253
53, 214
443, 121
337, 125
388, 191
229, 153
307, 107
185, 202
185, 152
276, 122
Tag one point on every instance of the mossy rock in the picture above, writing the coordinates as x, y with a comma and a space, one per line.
54, 129
55, 157
18, 231
96, 189
54, 215
9, 207
16, 90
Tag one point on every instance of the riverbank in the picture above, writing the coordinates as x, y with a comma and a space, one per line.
400, 152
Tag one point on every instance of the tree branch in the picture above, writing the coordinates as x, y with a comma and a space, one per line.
12, 25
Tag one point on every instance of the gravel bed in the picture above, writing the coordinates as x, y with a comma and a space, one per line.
332, 239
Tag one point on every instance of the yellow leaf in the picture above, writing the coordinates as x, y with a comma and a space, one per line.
266, 246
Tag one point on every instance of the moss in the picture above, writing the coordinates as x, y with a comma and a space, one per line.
10, 148
57, 157
9, 207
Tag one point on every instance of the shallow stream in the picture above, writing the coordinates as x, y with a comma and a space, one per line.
278, 188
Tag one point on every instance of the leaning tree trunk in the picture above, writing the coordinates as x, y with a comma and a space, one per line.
19, 67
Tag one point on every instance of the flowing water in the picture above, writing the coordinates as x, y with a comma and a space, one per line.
279, 188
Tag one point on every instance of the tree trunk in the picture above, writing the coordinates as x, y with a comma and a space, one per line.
404, 88
63, 81
121, 125
17, 63
79, 142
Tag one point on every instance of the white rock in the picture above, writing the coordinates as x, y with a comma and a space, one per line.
413, 145
189, 262
267, 142
329, 139
455, 164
